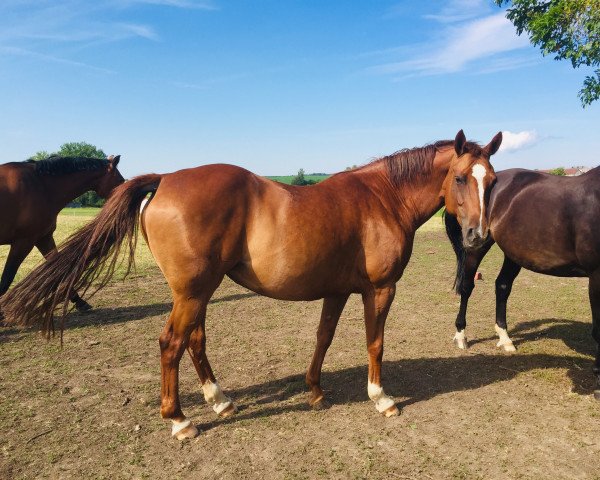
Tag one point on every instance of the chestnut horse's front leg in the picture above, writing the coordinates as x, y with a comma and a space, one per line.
377, 305
330, 314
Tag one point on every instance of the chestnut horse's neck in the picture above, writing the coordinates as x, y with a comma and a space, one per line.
418, 198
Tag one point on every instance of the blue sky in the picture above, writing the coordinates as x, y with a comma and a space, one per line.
275, 86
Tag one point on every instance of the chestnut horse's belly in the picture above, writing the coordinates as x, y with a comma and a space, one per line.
288, 275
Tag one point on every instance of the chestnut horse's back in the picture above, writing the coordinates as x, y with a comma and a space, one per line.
275, 239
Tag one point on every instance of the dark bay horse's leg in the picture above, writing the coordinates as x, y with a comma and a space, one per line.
377, 305
330, 314
18, 252
504, 283
47, 247
222, 404
472, 260
594, 292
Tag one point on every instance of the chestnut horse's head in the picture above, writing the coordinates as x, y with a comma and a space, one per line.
467, 186
111, 178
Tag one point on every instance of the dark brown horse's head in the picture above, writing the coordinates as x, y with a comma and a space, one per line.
111, 178
467, 186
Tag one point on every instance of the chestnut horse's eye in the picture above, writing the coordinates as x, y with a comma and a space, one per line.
461, 180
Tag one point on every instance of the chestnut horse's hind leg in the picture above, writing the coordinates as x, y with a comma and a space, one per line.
330, 314
47, 247
173, 340
213, 394
504, 284
594, 292
377, 305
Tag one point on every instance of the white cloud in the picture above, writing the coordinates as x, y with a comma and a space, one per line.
475, 44
513, 141
459, 10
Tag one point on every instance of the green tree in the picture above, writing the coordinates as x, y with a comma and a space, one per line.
567, 29
80, 149
560, 171
41, 155
300, 179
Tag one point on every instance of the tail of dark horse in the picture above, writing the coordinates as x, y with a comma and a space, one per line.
454, 232
89, 257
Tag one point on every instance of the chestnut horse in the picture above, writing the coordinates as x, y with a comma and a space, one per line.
352, 233
544, 223
33, 193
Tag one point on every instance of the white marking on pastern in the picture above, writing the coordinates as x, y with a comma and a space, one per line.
213, 394
382, 401
461, 340
505, 342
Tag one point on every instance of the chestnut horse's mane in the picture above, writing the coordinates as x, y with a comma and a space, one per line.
405, 165
57, 165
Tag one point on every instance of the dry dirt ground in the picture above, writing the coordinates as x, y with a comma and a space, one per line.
90, 410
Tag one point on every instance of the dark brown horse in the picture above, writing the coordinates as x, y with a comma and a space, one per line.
543, 223
31, 196
352, 233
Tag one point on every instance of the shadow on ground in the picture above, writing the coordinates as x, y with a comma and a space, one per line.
417, 380
109, 316
576, 334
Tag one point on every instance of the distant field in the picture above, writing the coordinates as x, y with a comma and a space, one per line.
80, 212
288, 178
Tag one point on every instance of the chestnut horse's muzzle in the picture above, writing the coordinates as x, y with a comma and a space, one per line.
474, 238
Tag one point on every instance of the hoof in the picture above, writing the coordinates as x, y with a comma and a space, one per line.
391, 412
189, 431
507, 347
597, 394
82, 306
229, 411
319, 404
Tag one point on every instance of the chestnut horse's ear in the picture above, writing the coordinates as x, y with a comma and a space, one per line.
494, 145
459, 142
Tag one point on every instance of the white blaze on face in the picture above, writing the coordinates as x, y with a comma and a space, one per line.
479, 172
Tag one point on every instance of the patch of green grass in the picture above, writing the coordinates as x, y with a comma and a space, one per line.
80, 212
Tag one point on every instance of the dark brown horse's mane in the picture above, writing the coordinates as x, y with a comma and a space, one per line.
405, 165
57, 165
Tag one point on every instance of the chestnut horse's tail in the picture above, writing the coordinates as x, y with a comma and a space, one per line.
454, 232
89, 256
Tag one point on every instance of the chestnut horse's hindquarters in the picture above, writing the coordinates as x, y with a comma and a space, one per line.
88, 257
